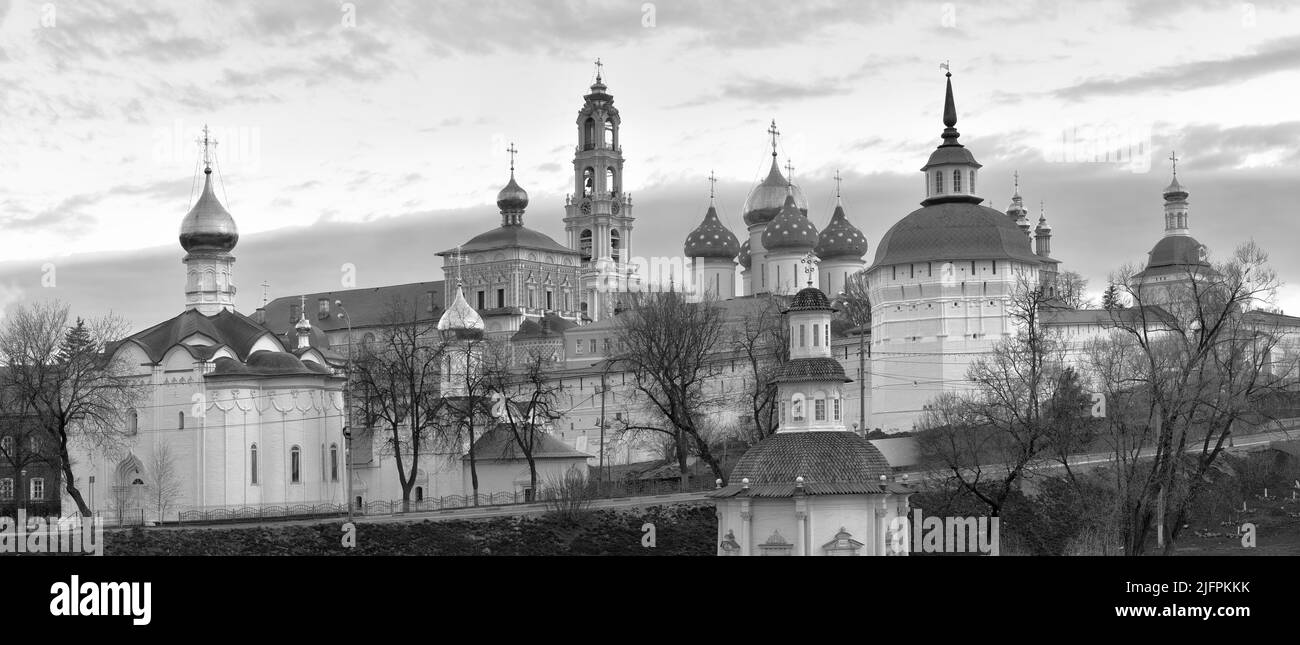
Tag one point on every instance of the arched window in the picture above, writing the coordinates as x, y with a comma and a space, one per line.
610, 141
334, 462
588, 182
614, 244
589, 134
938, 182
611, 181
180, 420
419, 493
132, 421
252, 465
956, 181
584, 245
295, 465
972, 181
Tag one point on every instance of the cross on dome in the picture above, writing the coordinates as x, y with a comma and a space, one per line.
208, 143
713, 185
775, 133
1173, 157
513, 151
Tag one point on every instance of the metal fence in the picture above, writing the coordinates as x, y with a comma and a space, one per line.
596, 490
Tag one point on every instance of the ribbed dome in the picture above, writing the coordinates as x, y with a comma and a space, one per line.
460, 316
208, 226
512, 197
840, 239
790, 230
743, 257
1175, 190
952, 231
766, 200
711, 239
834, 457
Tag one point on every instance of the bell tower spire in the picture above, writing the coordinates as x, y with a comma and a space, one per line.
208, 234
1175, 203
598, 215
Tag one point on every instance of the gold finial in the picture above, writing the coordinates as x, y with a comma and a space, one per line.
810, 266
1173, 156
789, 171
775, 133
512, 150
838, 181
600, 67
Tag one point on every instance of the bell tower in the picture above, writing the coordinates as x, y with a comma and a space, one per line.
598, 214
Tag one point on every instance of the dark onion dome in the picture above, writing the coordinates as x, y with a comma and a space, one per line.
810, 369
952, 231
208, 226
768, 197
711, 239
512, 198
790, 230
810, 299
840, 239
743, 256
830, 462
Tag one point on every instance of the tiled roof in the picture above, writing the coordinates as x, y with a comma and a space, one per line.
810, 299
367, 306
229, 328
789, 490
953, 231
837, 458
810, 369
500, 443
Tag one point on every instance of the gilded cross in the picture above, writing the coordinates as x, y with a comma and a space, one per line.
774, 132
512, 150
208, 143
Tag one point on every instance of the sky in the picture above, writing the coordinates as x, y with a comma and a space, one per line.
372, 134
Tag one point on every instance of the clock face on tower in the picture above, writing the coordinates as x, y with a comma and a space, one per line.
586, 205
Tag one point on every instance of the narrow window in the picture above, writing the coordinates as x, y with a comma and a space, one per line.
817, 337
334, 462
132, 421
819, 409
837, 409
956, 181
323, 308
482, 300
501, 298
295, 465
578, 347
550, 300
252, 465
972, 181
180, 420
938, 182
38, 488
803, 336
593, 346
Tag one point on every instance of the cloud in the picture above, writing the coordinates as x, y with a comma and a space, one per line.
1281, 54
1208, 147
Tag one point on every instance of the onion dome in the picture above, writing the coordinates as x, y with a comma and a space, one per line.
512, 198
767, 198
840, 238
711, 239
953, 231
1175, 191
208, 226
460, 317
790, 230
1043, 227
303, 326
1016, 211
743, 257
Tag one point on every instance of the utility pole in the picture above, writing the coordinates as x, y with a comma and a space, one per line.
347, 406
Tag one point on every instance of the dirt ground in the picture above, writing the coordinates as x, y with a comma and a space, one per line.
1277, 530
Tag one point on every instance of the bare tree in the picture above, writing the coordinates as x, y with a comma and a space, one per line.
164, 479
66, 377
762, 340
1189, 362
396, 379
525, 404
670, 343
987, 438
463, 416
855, 309
1071, 289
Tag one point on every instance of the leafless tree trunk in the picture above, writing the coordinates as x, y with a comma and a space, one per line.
396, 378
670, 344
65, 375
164, 480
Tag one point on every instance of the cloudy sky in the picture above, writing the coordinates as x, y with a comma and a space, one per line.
374, 132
